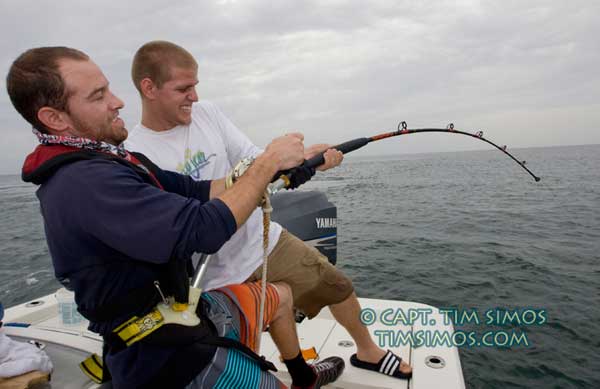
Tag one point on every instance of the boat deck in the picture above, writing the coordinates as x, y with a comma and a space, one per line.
433, 367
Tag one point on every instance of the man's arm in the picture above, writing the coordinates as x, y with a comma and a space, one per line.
242, 199
186, 186
112, 204
332, 157
175, 182
217, 187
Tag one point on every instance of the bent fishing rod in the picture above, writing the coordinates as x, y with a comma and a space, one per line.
355, 144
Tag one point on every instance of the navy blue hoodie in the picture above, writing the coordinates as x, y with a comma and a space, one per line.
104, 224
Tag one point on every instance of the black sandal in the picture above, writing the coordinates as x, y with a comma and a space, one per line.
387, 365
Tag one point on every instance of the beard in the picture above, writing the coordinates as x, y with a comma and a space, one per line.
111, 131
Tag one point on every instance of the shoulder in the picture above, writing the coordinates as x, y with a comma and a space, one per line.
207, 117
208, 110
136, 130
133, 137
93, 173
205, 106
76, 182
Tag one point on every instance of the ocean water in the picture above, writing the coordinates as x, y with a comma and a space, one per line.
467, 230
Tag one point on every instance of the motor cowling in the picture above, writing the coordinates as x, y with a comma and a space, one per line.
311, 217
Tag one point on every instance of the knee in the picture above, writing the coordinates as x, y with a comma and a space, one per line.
285, 294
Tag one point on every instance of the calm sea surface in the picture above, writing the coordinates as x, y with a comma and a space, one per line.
467, 230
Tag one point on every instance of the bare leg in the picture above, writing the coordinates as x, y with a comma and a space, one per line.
283, 332
283, 326
347, 313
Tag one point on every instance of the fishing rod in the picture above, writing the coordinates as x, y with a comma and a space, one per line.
355, 144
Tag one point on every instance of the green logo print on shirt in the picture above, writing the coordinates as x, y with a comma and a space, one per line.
192, 164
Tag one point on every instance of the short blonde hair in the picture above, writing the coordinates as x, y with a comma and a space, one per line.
155, 59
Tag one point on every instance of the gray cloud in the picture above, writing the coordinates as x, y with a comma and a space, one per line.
525, 72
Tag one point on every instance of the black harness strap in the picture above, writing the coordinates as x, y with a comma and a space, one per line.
175, 335
118, 307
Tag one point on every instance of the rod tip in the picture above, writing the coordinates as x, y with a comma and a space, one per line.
537, 179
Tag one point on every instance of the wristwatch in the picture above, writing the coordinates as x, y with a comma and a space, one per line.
238, 170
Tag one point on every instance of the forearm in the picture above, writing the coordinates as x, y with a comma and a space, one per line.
185, 185
245, 195
217, 187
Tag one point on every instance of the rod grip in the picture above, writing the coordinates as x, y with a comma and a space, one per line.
345, 147
318, 160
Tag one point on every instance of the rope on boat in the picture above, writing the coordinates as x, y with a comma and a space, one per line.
267, 209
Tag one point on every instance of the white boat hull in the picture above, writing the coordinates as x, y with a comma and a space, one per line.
67, 345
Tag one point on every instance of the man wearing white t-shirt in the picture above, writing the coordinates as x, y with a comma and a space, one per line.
196, 138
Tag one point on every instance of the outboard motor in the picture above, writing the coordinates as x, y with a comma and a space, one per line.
309, 216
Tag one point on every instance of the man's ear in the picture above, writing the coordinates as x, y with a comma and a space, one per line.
53, 119
148, 88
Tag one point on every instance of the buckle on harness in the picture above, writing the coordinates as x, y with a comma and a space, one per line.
138, 328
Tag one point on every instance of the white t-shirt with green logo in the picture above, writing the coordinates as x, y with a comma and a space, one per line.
207, 149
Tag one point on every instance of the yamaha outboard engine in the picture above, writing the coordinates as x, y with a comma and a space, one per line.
309, 216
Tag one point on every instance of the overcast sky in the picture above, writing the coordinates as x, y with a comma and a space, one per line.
525, 72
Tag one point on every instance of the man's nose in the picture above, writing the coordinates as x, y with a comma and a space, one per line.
193, 96
116, 103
